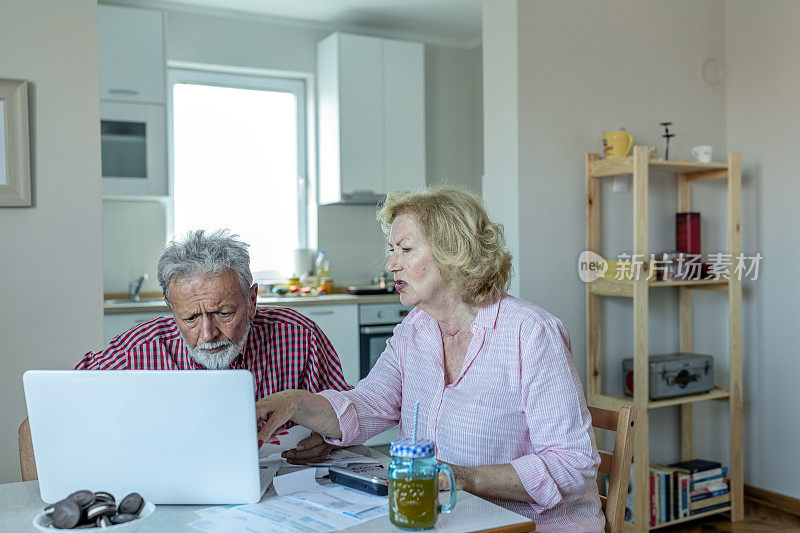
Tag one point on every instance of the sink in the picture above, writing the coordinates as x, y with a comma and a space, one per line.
129, 301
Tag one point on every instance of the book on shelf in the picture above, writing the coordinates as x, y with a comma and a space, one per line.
675, 492
696, 465
710, 495
709, 492
724, 505
709, 502
709, 475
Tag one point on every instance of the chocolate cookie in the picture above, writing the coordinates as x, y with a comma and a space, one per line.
99, 509
131, 504
66, 514
104, 496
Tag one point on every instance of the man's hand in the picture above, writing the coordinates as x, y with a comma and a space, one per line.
312, 449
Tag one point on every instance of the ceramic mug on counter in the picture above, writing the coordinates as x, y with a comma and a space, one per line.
617, 143
702, 153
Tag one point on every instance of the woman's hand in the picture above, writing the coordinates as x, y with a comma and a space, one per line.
301, 407
275, 410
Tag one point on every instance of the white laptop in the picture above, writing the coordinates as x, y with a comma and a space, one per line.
175, 437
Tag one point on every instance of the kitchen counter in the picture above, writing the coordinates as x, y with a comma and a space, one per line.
156, 306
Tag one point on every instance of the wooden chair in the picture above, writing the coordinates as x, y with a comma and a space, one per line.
27, 462
616, 465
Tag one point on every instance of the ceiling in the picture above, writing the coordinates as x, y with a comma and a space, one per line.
455, 22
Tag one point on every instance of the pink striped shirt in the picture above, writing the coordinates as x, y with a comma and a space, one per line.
517, 400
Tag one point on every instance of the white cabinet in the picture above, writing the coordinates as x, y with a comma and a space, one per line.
340, 325
133, 134
131, 52
371, 104
114, 324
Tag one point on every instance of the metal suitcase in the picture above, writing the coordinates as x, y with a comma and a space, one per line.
676, 374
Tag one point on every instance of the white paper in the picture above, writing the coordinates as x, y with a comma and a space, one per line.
267, 473
302, 480
213, 510
286, 439
343, 499
276, 515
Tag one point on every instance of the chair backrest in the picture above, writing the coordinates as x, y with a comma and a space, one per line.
27, 462
616, 465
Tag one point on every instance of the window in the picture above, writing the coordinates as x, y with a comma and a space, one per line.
239, 162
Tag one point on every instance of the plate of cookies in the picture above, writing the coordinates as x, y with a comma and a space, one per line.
85, 509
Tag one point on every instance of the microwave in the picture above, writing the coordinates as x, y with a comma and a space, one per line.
133, 149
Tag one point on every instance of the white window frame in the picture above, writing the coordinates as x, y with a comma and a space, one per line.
299, 84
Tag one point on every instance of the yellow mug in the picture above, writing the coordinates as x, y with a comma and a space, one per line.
617, 143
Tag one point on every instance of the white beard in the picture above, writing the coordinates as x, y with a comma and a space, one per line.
218, 360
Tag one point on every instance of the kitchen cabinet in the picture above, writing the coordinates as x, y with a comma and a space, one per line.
133, 134
114, 324
340, 325
371, 107
131, 53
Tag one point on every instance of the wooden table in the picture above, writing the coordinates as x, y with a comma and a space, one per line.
21, 502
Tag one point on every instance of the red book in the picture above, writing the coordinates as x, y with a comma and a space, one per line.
652, 500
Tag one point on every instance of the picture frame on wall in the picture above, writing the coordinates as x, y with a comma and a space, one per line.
15, 163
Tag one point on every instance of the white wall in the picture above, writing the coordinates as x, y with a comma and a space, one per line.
501, 144
582, 68
454, 132
134, 236
763, 123
51, 287
349, 234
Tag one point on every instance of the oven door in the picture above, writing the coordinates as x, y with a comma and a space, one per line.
372, 344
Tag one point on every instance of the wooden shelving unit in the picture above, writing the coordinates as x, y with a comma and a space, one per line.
640, 166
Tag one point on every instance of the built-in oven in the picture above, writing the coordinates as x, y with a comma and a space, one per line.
133, 149
376, 323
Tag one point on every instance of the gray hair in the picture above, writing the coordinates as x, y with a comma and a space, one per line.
198, 254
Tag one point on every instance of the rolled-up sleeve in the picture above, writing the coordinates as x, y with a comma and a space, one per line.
373, 405
565, 457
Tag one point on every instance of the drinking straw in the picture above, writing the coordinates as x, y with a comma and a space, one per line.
414, 431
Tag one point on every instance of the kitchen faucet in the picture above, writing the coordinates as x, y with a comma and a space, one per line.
135, 286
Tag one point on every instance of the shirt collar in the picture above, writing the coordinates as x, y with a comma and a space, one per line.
487, 315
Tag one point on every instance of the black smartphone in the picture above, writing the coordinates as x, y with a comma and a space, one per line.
373, 479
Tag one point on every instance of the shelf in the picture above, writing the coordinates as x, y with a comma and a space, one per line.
687, 172
615, 400
624, 165
693, 517
624, 288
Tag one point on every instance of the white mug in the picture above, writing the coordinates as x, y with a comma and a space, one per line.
702, 153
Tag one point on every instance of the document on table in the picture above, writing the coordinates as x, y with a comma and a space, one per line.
302, 485
303, 505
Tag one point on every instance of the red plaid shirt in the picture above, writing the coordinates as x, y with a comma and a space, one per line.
284, 350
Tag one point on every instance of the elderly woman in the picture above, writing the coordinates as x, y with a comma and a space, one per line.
493, 374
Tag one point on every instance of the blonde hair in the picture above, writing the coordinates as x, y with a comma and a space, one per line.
468, 248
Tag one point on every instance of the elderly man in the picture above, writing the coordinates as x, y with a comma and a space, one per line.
208, 285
